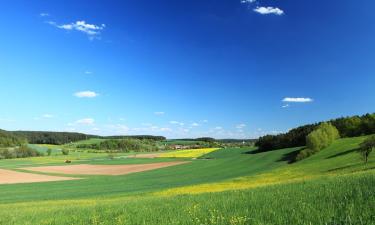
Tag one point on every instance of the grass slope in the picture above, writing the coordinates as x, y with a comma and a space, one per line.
331, 187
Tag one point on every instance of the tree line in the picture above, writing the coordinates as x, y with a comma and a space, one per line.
347, 127
123, 145
60, 138
7, 139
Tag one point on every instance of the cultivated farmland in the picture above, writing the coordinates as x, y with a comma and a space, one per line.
236, 186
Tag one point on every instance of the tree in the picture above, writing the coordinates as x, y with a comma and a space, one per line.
319, 139
366, 147
65, 151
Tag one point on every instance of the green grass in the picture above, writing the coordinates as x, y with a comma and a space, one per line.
336, 188
339, 200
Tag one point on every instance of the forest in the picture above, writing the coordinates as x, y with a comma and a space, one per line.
347, 126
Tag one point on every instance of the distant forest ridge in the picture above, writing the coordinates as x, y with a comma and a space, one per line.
352, 126
59, 138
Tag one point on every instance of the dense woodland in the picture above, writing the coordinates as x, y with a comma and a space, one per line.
139, 137
46, 137
347, 127
7, 139
59, 138
123, 145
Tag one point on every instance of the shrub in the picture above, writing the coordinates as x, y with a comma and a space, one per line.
49, 151
18, 152
65, 151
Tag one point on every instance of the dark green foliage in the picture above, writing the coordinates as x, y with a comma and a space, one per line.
206, 139
49, 151
140, 137
65, 151
347, 127
55, 138
7, 139
18, 152
59, 138
366, 147
123, 145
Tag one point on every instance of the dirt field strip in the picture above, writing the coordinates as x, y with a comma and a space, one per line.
86, 169
14, 177
145, 156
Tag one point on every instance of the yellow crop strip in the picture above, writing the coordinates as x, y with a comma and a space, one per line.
279, 177
189, 153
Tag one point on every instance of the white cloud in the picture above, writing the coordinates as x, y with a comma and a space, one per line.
88, 72
43, 14
204, 121
48, 116
159, 113
218, 128
241, 126
86, 121
269, 10
285, 106
248, 1
86, 94
195, 124
176, 123
165, 129
92, 30
299, 100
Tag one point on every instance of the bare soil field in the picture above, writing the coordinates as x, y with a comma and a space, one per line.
86, 169
14, 177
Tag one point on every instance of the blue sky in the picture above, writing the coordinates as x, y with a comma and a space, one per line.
226, 69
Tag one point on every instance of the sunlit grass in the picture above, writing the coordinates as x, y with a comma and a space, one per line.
188, 153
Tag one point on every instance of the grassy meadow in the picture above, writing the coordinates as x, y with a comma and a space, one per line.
226, 186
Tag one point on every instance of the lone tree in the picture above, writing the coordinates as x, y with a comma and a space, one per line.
366, 147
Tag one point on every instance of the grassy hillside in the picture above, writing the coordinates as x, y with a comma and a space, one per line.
333, 187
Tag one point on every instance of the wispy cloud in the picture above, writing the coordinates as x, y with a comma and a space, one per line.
195, 124
88, 72
43, 14
269, 10
298, 100
241, 126
285, 106
86, 94
159, 113
248, 1
86, 121
47, 116
176, 123
91, 30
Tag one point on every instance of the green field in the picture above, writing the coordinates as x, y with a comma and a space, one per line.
228, 186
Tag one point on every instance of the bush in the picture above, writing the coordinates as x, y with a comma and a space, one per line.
65, 151
19, 152
49, 151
